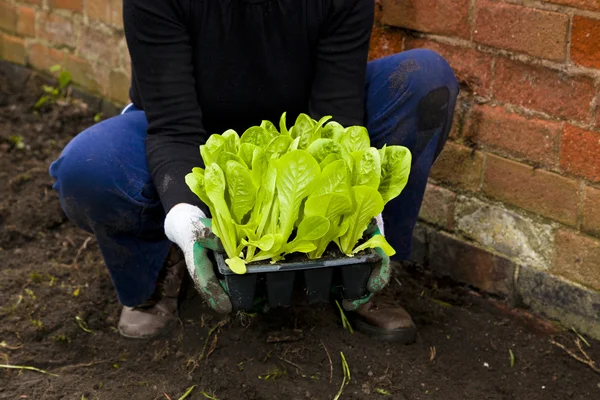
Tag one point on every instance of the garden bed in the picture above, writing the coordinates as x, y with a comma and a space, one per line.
51, 273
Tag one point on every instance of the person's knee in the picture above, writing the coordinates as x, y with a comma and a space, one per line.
431, 71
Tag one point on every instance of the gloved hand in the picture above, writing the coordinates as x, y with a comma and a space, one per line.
188, 228
380, 276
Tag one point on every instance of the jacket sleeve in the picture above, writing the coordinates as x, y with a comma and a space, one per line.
341, 59
161, 56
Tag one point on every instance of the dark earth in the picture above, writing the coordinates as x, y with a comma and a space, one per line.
58, 313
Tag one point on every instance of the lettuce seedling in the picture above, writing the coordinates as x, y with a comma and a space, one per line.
276, 192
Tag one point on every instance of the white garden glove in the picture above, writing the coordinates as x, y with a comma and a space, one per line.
187, 226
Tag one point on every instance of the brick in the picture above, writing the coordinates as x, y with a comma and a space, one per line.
593, 5
469, 264
99, 45
8, 17
577, 258
71, 5
579, 152
438, 206
42, 58
523, 239
36, 2
449, 17
58, 30
591, 211
458, 166
13, 49
385, 41
82, 73
526, 30
420, 245
539, 191
118, 89
26, 22
559, 299
542, 89
471, 67
107, 11
511, 134
585, 47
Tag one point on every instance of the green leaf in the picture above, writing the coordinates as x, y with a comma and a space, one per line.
304, 125
301, 247
237, 265
278, 146
328, 160
395, 170
259, 166
246, 153
374, 242
312, 228
334, 178
211, 149
367, 168
55, 68
223, 227
333, 130
232, 141
240, 190
265, 243
225, 156
283, 126
355, 138
41, 101
269, 127
64, 79
331, 206
257, 135
195, 181
47, 89
367, 203
321, 149
297, 173
294, 145
318, 128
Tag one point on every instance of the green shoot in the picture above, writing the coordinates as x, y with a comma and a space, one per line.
383, 392
512, 358
98, 117
273, 374
581, 337
345, 322
187, 393
346, 370
25, 367
208, 396
83, 325
442, 303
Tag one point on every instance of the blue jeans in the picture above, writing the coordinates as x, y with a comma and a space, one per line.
105, 187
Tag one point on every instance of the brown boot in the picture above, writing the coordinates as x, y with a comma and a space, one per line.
160, 311
385, 321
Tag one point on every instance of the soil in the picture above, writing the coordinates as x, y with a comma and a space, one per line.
52, 273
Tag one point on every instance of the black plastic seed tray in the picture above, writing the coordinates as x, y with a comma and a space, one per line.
317, 278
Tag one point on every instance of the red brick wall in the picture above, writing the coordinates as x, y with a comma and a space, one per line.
526, 138
86, 36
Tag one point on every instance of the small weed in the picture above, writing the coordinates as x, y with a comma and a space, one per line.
98, 117
273, 374
54, 93
30, 293
17, 142
37, 323
383, 392
83, 325
61, 339
36, 277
